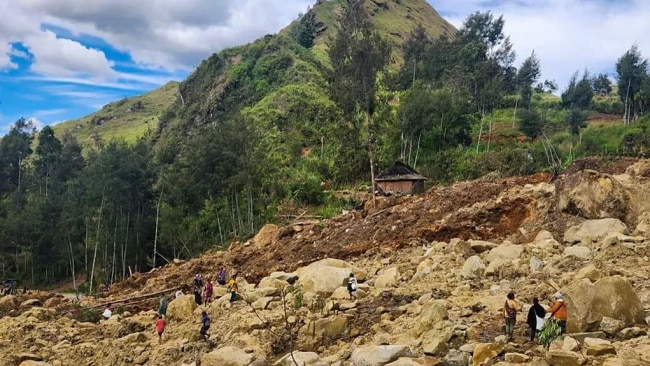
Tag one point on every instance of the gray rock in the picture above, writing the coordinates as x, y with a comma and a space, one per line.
456, 358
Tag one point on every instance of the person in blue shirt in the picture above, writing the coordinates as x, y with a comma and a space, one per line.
205, 325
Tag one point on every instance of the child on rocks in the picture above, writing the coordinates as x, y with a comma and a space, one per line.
160, 327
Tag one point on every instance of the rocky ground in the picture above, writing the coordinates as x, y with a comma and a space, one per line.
433, 271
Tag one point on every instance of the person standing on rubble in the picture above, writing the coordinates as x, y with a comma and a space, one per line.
160, 327
208, 292
559, 312
535, 318
233, 288
352, 287
198, 289
162, 307
221, 276
510, 309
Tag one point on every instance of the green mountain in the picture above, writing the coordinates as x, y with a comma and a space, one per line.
267, 76
394, 19
127, 119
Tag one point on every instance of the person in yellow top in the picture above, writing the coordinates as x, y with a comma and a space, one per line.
232, 287
510, 309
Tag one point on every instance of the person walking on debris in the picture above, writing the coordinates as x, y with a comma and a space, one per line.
208, 292
233, 288
221, 276
160, 327
510, 309
535, 318
162, 307
559, 312
205, 325
352, 287
179, 293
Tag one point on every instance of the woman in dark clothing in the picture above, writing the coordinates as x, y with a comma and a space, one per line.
536, 311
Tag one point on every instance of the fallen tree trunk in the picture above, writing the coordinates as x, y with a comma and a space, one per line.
134, 298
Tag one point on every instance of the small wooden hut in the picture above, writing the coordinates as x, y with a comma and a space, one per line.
400, 179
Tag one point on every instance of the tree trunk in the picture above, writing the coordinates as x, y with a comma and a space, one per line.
155, 238
372, 164
480, 132
99, 220
417, 153
514, 114
74, 279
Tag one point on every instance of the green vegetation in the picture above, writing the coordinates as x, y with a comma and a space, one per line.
271, 129
128, 119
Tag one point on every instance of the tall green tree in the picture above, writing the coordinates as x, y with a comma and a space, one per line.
15, 149
602, 85
528, 74
357, 54
631, 69
304, 31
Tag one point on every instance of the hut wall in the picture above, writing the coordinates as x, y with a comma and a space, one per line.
399, 186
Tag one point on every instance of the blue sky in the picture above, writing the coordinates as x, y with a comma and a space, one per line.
66, 58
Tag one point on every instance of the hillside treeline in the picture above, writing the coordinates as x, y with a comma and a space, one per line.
260, 131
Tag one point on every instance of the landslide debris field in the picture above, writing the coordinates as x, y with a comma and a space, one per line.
433, 272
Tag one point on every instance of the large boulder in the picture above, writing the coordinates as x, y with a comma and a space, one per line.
325, 276
643, 225
8, 303
266, 236
388, 278
331, 328
594, 230
432, 316
231, 356
378, 355
182, 308
593, 195
612, 297
589, 272
564, 358
502, 256
486, 351
578, 252
473, 267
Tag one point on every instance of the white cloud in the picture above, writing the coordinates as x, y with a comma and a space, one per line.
63, 57
566, 35
174, 34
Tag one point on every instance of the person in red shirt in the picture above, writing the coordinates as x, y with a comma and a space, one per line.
160, 327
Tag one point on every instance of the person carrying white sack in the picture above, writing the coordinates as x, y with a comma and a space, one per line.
535, 318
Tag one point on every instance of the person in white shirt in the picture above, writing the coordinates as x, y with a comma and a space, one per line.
179, 293
107, 313
352, 286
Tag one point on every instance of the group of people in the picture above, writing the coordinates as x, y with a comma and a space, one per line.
536, 315
202, 295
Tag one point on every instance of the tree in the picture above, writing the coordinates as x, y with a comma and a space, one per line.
602, 85
579, 93
531, 123
15, 148
528, 74
304, 31
48, 156
357, 54
631, 68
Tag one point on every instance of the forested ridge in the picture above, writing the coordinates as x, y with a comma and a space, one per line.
271, 128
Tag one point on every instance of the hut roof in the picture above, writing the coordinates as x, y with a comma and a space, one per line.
399, 171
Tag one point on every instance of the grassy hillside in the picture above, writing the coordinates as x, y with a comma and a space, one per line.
127, 119
395, 20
